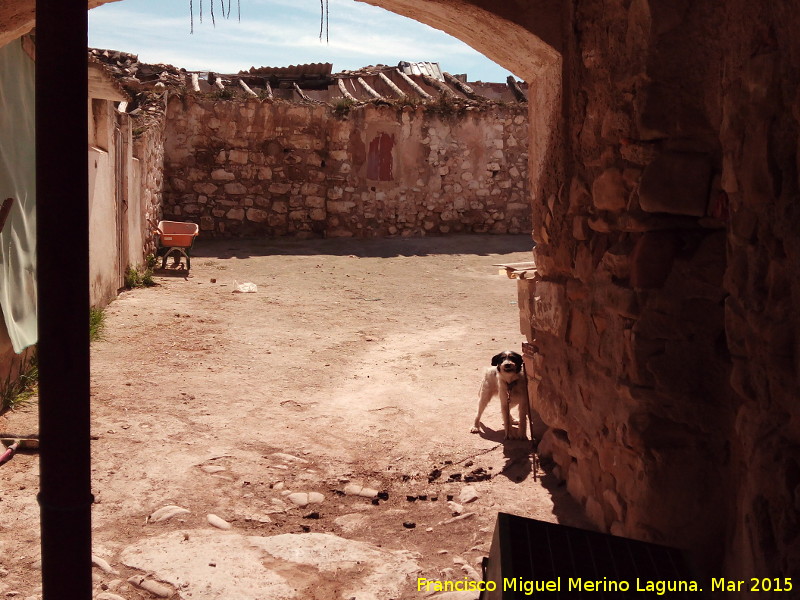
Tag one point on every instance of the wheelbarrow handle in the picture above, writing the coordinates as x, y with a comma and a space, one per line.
9, 453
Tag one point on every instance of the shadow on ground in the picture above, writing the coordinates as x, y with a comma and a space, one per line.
479, 245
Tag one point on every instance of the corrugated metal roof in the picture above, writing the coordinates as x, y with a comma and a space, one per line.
431, 69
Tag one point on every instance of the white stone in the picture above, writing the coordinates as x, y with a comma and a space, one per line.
166, 512
368, 493
218, 522
102, 564
298, 498
352, 489
154, 587
455, 508
468, 494
315, 498
212, 469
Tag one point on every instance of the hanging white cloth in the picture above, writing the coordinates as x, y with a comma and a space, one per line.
18, 181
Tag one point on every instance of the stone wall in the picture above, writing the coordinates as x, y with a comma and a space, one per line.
148, 179
759, 124
661, 334
253, 168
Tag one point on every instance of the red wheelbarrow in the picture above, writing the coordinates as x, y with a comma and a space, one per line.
176, 239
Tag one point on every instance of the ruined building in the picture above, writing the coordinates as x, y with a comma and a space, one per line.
662, 334
298, 151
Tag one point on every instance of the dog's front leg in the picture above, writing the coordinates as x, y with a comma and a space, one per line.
505, 409
483, 399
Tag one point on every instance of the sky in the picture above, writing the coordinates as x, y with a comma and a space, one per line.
278, 33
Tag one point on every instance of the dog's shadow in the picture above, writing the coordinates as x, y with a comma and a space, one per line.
519, 454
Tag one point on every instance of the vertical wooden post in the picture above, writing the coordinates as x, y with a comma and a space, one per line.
62, 246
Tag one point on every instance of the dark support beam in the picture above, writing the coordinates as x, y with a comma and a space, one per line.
512, 84
62, 247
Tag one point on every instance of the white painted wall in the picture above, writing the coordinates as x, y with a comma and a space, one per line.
137, 226
104, 274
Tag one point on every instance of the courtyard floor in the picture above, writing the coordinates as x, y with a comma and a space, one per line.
259, 416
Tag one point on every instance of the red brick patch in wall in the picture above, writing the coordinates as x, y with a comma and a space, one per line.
379, 159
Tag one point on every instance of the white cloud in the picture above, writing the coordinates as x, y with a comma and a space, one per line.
276, 33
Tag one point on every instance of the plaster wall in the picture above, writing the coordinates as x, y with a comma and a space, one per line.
124, 197
136, 223
104, 275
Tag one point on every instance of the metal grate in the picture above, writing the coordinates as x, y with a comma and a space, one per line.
531, 558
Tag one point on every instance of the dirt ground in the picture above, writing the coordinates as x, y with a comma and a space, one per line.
354, 363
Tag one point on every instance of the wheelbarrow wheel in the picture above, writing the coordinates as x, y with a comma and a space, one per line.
176, 254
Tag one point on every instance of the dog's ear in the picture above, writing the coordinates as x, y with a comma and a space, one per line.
497, 359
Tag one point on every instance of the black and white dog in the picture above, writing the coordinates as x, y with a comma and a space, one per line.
506, 379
